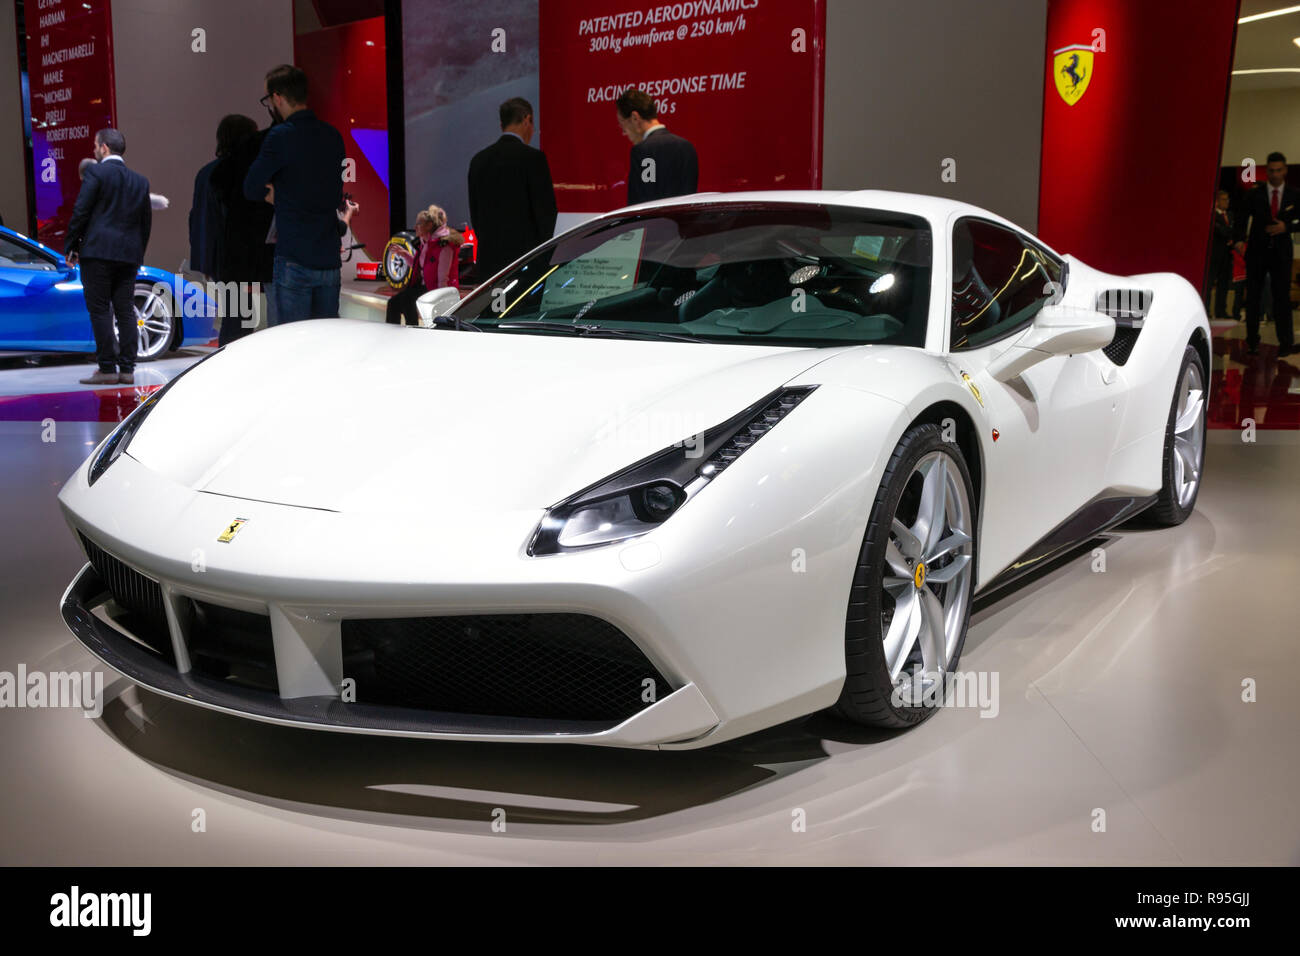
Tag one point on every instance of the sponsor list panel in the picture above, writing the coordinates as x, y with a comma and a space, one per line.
70, 74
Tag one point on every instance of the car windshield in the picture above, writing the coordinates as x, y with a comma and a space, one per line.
784, 274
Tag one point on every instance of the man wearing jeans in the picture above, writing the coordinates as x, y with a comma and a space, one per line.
299, 170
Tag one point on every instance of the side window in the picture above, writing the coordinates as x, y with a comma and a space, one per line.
15, 255
1000, 280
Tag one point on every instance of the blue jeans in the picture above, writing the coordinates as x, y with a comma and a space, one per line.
303, 293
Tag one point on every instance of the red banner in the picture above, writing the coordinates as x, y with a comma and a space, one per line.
70, 74
740, 79
1131, 137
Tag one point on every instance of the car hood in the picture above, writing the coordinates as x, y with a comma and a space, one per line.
357, 416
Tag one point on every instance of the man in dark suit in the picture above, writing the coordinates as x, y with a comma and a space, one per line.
107, 237
1269, 215
663, 163
511, 196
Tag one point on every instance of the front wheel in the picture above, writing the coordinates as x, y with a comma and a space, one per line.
910, 601
1184, 455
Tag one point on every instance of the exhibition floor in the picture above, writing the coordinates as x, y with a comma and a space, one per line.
1119, 691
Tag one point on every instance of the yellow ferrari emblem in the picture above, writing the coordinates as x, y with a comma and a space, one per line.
232, 529
1072, 68
974, 389
918, 578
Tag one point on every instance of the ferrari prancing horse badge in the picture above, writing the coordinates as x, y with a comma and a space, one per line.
232, 529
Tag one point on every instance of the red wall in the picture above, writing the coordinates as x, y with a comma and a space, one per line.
1129, 171
346, 70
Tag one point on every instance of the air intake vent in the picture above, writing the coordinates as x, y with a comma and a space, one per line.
1128, 307
1121, 346
140, 597
559, 666
1125, 305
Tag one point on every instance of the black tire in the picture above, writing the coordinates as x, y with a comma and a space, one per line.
868, 690
1167, 512
397, 264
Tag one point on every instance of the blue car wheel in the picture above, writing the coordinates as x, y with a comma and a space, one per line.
155, 322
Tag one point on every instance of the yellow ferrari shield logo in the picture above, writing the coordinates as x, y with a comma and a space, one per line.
1072, 67
974, 389
232, 529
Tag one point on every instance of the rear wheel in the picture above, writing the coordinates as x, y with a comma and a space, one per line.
1184, 457
155, 321
911, 595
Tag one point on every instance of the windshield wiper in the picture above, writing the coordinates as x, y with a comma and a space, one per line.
596, 330
454, 322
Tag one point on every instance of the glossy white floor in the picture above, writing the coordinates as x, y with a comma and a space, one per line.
1119, 691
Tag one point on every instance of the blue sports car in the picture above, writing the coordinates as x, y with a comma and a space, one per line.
42, 309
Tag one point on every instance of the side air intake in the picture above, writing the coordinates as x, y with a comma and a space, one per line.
1129, 308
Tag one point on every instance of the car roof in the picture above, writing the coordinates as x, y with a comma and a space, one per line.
935, 208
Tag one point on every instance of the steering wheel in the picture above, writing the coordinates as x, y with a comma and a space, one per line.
973, 296
852, 303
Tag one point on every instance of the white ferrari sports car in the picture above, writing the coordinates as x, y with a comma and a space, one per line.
691, 469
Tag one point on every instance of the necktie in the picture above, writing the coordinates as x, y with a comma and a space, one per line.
1276, 193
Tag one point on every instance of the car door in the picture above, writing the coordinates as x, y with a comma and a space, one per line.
41, 303
1054, 425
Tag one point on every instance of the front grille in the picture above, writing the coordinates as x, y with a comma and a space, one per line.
1121, 346
564, 666
232, 646
139, 597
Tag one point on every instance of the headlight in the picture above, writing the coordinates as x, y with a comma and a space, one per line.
121, 436
642, 497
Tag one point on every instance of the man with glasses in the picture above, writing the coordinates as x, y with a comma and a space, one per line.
299, 170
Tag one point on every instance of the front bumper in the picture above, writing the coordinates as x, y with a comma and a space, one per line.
739, 602
682, 714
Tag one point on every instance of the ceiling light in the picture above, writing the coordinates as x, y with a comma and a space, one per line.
1280, 12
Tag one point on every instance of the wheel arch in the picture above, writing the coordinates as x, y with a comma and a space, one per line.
1201, 343
967, 439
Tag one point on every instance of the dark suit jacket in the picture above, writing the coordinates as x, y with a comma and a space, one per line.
511, 202
242, 253
1256, 213
676, 168
303, 158
205, 222
112, 217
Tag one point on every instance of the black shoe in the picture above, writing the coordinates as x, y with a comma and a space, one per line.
1285, 350
100, 378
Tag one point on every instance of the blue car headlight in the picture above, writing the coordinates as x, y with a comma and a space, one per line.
121, 436
643, 496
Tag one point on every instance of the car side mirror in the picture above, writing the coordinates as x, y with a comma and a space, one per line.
436, 302
1056, 330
